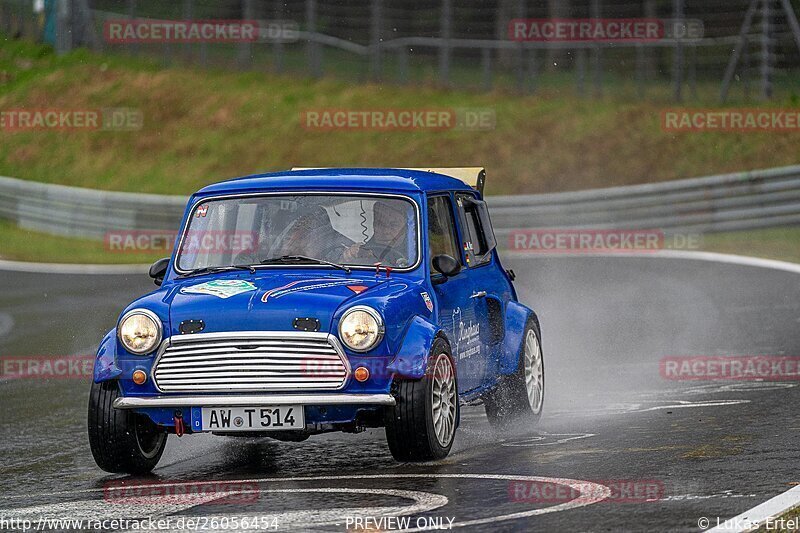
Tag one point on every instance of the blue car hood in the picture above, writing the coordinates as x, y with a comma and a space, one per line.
264, 301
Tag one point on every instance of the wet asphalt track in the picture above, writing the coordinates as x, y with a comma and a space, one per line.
716, 448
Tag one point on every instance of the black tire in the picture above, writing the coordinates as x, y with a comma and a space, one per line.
121, 441
410, 427
507, 405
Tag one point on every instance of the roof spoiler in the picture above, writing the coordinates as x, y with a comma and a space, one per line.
473, 176
476, 176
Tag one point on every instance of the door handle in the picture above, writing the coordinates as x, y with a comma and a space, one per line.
479, 294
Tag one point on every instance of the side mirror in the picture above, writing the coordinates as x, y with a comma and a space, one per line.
446, 265
158, 270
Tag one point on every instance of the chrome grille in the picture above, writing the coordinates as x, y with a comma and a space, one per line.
250, 362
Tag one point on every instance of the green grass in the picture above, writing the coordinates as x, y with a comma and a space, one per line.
24, 245
201, 126
773, 243
19, 244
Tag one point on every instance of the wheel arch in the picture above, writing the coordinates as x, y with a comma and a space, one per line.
516, 318
105, 365
411, 361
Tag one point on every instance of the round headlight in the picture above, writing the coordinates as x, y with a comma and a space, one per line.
361, 328
140, 331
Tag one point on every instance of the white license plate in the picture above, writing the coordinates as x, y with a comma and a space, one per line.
253, 418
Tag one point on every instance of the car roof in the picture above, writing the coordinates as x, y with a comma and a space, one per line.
356, 179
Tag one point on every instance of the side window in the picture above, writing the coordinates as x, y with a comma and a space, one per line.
441, 228
479, 236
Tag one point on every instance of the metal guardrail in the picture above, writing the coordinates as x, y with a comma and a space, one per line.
729, 202
86, 213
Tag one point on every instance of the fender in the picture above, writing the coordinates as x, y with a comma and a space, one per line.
516, 317
412, 358
105, 366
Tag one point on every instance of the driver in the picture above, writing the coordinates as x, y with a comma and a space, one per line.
390, 223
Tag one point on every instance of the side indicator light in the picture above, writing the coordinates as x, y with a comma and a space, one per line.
361, 374
139, 377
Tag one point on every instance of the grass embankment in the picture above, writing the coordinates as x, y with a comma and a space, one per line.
204, 125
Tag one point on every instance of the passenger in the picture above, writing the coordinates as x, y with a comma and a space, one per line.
387, 245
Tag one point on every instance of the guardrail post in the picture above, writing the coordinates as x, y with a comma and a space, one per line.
444, 47
313, 49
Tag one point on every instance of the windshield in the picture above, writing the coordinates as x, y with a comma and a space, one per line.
353, 230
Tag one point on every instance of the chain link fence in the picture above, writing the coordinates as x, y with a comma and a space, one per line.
749, 49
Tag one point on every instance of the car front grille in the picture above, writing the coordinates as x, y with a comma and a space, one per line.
250, 362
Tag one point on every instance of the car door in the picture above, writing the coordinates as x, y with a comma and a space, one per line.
457, 309
489, 287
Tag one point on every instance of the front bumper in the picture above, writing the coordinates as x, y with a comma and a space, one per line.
134, 402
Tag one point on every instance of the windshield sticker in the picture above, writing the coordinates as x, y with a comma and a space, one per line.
305, 285
221, 288
202, 211
428, 302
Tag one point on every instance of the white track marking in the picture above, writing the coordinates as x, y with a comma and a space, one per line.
588, 491
713, 257
758, 515
159, 506
67, 268
535, 441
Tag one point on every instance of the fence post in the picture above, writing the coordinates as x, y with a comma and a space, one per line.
245, 55
597, 55
277, 46
313, 50
444, 47
187, 15
520, 52
677, 70
133, 48
402, 64
766, 50
63, 26
580, 71
486, 68
376, 34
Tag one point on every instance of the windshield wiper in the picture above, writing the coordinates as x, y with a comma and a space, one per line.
212, 269
285, 259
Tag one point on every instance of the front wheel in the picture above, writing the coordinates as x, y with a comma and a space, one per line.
121, 441
421, 426
515, 404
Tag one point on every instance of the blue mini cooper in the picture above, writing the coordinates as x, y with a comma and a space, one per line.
316, 300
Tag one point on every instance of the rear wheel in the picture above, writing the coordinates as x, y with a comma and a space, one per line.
516, 403
422, 424
122, 442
